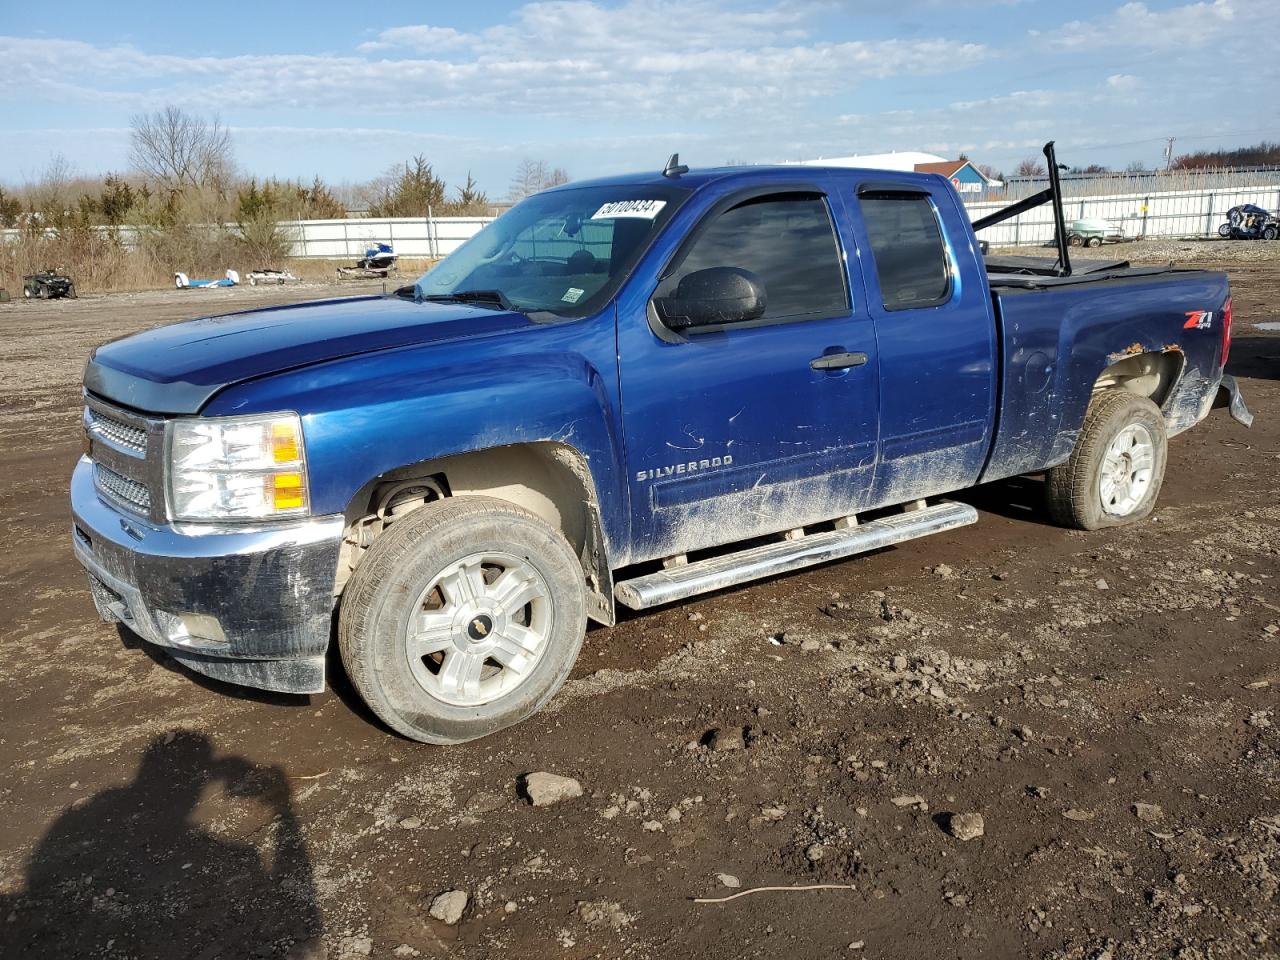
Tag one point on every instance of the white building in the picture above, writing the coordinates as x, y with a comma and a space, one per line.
906, 160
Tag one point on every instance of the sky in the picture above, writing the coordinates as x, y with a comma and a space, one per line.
344, 90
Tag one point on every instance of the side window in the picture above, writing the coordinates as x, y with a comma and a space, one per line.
788, 242
906, 243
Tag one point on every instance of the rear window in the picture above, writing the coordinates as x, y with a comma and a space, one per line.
906, 244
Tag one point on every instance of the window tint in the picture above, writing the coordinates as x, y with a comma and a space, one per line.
907, 245
788, 242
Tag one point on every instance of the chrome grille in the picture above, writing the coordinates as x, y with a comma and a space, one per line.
130, 493
116, 431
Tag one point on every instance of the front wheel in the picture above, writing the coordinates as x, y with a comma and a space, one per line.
465, 617
1270, 232
1113, 475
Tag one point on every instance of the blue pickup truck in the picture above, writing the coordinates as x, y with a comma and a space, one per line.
625, 391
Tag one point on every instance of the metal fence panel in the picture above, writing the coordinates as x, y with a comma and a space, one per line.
1192, 213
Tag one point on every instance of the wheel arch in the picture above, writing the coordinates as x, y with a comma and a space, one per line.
550, 479
1150, 374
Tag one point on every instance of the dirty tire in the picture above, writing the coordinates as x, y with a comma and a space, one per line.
386, 590
1073, 488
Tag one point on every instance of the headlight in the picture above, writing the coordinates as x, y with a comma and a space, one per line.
237, 468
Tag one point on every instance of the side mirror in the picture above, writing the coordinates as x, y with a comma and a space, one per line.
713, 296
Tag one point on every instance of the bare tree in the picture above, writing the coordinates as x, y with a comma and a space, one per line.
178, 150
1031, 167
50, 197
534, 175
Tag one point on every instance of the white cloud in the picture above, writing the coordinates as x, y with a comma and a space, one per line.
1137, 26
421, 38
643, 59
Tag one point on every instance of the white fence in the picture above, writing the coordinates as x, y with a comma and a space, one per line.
347, 239
410, 236
1177, 213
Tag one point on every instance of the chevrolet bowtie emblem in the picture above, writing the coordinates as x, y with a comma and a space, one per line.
480, 627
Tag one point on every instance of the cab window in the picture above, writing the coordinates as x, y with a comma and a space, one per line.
788, 242
907, 247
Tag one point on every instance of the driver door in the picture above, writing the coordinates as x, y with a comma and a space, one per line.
743, 429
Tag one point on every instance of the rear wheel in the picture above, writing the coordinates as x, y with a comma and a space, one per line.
465, 617
1270, 232
1114, 474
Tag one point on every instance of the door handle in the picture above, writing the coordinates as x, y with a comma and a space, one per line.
838, 361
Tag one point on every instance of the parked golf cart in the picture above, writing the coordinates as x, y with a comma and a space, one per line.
1249, 222
48, 285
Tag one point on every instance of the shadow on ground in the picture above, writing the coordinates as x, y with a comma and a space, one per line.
133, 872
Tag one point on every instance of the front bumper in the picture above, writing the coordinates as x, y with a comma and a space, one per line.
252, 606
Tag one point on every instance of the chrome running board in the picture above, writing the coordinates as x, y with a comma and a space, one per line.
702, 576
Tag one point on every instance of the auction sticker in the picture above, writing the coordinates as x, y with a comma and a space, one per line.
572, 295
634, 209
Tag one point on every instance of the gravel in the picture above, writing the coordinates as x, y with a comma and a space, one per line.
1164, 249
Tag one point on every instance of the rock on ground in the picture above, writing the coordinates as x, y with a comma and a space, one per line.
544, 789
449, 907
723, 739
603, 913
1148, 812
966, 826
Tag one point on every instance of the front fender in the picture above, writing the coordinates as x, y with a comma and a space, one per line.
369, 415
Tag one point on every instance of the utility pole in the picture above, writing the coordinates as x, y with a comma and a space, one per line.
1168, 154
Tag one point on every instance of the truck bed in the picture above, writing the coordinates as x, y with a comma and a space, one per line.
1057, 335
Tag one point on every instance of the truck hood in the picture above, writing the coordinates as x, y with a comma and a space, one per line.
178, 368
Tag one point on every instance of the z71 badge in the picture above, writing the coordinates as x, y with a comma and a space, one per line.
1198, 320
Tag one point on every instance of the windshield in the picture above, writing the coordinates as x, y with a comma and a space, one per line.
564, 252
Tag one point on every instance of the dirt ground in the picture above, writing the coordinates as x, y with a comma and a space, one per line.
1105, 701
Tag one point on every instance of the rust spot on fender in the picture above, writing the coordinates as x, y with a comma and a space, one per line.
1131, 350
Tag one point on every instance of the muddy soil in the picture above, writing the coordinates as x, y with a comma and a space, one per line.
1106, 702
